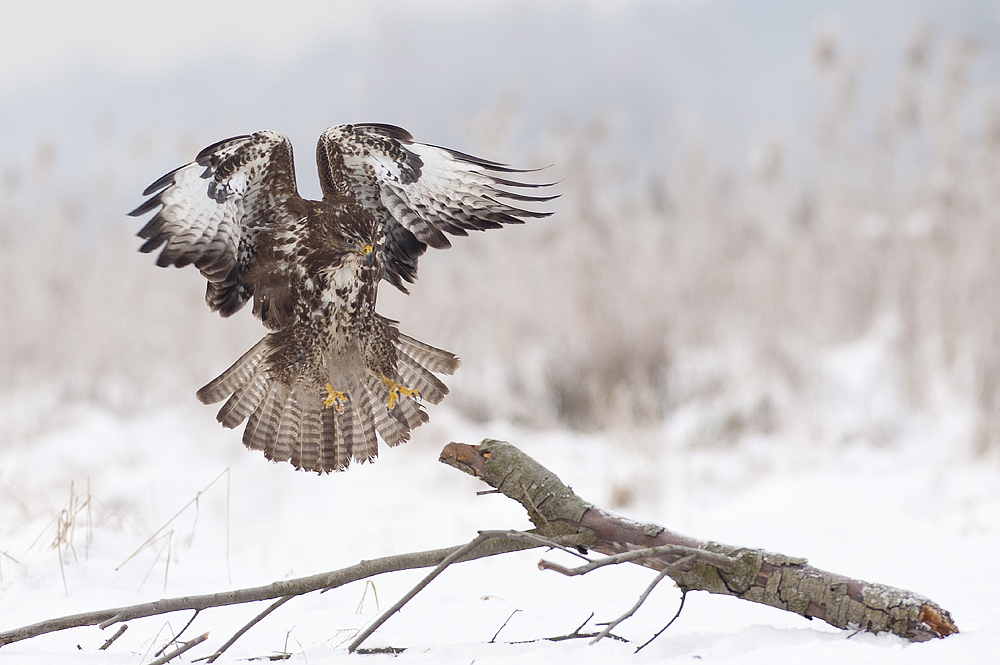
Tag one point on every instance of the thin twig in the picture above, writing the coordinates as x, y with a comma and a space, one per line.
250, 624
680, 607
178, 635
535, 540
575, 635
448, 560
585, 622
111, 640
468, 549
645, 594
163, 527
496, 634
719, 561
533, 509
181, 649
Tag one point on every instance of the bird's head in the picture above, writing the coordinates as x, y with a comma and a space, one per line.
365, 250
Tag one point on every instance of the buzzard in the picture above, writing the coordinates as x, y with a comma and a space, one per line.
331, 372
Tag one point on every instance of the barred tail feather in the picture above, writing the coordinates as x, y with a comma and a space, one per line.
359, 427
261, 432
429, 357
244, 400
234, 378
287, 431
307, 449
409, 414
335, 452
413, 375
287, 420
392, 431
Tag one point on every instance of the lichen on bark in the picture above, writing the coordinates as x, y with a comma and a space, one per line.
770, 578
552, 506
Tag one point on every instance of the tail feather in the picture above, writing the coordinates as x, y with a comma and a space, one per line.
431, 358
407, 412
376, 395
287, 431
263, 424
244, 401
287, 419
307, 450
334, 452
413, 375
358, 428
235, 377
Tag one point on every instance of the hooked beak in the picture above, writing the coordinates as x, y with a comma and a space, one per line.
369, 255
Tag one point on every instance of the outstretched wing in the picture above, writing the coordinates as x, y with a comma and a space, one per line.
418, 192
213, 208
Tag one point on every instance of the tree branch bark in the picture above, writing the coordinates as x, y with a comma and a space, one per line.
781, 581
296, 587
564, 520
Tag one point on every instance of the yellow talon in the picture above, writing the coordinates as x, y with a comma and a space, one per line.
335, 398
394, 391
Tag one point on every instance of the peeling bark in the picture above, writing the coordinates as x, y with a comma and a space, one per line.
781, 581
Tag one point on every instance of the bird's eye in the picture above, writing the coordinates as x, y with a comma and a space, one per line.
350, 241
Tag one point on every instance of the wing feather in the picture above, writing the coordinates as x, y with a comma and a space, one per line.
418, 191
211, 210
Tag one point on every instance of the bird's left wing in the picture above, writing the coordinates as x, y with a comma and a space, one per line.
417, 191
212, 209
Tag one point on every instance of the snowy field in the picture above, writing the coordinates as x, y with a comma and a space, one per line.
910, 518
765, 312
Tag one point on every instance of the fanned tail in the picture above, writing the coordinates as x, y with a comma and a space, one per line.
294, 421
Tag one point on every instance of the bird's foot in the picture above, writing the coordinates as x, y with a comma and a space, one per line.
335, 398
395, 390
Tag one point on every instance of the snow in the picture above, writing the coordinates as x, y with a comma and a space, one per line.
99, 98
903, 517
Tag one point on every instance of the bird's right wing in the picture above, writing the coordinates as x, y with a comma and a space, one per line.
212, 209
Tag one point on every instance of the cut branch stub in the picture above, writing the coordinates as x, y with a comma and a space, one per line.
787, 583
552, 507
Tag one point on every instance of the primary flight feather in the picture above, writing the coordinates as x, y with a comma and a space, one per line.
331, 372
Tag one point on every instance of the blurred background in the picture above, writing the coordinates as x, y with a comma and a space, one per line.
779, 221
766, 310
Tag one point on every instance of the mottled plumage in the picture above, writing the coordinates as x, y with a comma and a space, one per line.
331, 372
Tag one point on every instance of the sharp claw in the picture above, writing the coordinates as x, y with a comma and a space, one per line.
335, 398
395, 389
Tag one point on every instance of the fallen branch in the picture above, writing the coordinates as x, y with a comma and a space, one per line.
247, 626
529, 539
295, 587
781, 581
565, 521
111, 640
181, 649
448, 560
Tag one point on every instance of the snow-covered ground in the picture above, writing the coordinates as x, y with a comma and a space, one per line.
225, 518
799, 422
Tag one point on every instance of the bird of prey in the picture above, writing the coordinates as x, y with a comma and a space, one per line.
331, 372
